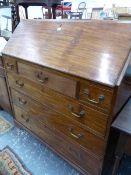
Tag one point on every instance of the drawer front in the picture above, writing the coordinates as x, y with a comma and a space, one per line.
62, 124
75, 154
95, 95
94, 121
10, 64
51, 80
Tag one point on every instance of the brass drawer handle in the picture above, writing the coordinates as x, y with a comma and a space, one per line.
41, 79
19, 83
76, 136
22, 101
80, 115
26, 119
9, 66
100, 98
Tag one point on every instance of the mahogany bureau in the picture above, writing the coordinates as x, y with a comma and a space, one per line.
67, 83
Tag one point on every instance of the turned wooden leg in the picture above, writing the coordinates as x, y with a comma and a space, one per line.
54, 12
26, 11
49, 13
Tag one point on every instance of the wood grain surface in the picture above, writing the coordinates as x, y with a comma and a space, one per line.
92, 50
78, 157
66, 83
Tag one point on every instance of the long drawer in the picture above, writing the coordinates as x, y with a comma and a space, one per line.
49, 79
62, 124
94, 121
88, 93
75, 154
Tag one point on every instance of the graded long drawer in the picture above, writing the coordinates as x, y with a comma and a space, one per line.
75, 154
49, 79
88, 93
62, 124
93, 120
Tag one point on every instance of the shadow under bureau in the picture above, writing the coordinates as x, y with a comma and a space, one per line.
66, 80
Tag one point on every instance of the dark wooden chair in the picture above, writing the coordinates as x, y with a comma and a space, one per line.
123, 124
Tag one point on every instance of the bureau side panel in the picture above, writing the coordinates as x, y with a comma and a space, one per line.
123, 92
4, 96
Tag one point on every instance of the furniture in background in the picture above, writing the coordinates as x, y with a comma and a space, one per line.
4, 95
45, 13
123, 124
124, 16
14, 17
4, 3
6, 33
67, 104
79, 13
7, 21
64, 9
1, 3
120, 10
122, 13
95, 14
46, 3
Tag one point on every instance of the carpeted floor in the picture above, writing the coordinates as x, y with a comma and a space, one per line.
37, 158
40, 160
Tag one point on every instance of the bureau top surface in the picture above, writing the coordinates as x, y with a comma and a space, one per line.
93, 50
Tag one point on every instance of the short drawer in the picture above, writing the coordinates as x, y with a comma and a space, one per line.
49, 79
94, 121
75, 154
95, 95
62, 124
10, 64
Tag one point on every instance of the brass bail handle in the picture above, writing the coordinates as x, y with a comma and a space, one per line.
10, 66
41, 79
22, 101
25, 118
78, 115
100, 98
19, 83
76, 136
